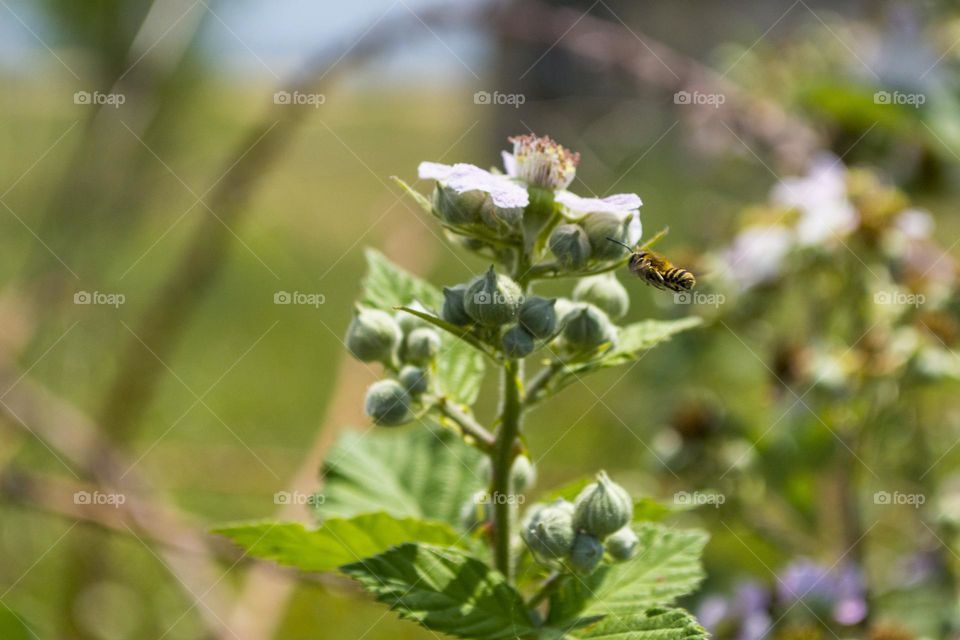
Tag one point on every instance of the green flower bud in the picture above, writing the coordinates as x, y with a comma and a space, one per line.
523, 474
538, 316
549, 531
622, 544
570, 246
586, 554
563, 307
587, 327
504, 221
476, 511
452, 310
492, 300
407, 321
600, 226
517, 343
459, 208
388, 403
421, 346
414, 379
605, 292
603, 507
373, 335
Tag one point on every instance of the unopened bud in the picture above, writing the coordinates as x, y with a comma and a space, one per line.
373, 335
538, 316
517, 342
622, 544
587, 327
603, 507
452, 310
600, 227
586, 554
549, 531
477, 510
605, 292
459, 208
570, 246
388, 403
492, 300
421, 346
408, 321
414, 379
523, 474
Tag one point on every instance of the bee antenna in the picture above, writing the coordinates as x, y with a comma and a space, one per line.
622, 244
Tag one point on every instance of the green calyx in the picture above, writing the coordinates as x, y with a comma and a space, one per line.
373, 335
605, 292
602, 508
388, 403
492, 300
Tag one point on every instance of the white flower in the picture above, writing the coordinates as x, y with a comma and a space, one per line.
541, 162
915, 224
623, 205
821, 199
757, 253
504, 192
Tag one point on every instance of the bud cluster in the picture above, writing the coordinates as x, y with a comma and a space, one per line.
576, 534
407, 346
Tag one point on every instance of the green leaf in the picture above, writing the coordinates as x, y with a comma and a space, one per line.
336, 542
445, 591
423, 472
460, 371
13, 626
653, 624
634, 339
387, 286
667, 566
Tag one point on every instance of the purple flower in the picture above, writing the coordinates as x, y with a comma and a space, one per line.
744, 616
839, 590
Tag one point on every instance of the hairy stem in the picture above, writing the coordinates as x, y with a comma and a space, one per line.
467, 424
502, 458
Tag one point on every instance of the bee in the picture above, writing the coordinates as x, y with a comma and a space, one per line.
656, 270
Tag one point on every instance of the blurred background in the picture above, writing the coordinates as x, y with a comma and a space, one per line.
187, 190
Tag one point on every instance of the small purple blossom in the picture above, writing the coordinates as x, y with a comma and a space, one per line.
744, 616
839, 590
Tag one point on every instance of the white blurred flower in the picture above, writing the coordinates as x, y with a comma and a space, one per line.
625, 206
504, 192
915, 224
757, 253
821, 199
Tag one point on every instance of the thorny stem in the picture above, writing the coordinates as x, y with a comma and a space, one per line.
502, 457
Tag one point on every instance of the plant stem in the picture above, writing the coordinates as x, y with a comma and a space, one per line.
546, 589
502, 458
467, 424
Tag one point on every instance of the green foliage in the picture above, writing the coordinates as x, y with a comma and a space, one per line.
665, 567
13, 627
387, 286
419, 473
446, 591
652, 624
337, 541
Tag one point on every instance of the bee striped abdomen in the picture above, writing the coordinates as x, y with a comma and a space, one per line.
679, 279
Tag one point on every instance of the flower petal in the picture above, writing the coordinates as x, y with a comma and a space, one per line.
621, 204
461, 177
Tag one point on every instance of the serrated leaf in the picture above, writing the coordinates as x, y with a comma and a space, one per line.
387, 286
422, 472
666, 566
337, 541
460, 372
653, 624
446, 591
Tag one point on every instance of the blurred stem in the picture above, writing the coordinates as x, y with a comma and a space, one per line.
549, 585
502, 457
539, 383
467, 424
